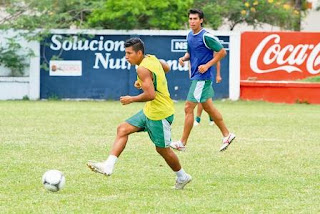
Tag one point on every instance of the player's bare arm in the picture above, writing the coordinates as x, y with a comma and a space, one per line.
146, 85
186, 57
218, 75
165, 66
217, 57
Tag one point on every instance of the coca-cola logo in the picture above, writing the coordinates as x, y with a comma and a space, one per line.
289, 58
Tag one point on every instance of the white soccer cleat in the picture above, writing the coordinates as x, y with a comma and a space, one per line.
195, 123
180, 184
178, 145
226, 141
211, 123
100, 167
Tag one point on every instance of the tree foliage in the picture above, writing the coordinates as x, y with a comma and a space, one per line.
142, 14
46, 14
12, 59
148, 14
28, 15
283, 13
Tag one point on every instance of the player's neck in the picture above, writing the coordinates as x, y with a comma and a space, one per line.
195, 31
141, 60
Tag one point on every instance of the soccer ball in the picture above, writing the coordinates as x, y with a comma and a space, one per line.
53, 180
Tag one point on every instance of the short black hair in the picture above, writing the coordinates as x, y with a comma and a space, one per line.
196, 11
136, 44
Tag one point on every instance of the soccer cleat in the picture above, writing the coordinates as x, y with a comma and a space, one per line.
178, 145
100, 167
180, 184
226, 141
195, 123
211, 123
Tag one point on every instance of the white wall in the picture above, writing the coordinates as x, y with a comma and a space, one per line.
234, 66
29, 84
311, 22
14, 87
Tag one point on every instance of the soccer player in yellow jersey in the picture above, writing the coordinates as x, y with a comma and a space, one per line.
156, 116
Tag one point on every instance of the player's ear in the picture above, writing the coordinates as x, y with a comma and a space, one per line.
140, 53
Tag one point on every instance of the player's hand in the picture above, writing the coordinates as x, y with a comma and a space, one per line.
181, 62
202, 68
137, 84
125, 100
218, 79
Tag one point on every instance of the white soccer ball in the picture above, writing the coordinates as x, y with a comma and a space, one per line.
53, 180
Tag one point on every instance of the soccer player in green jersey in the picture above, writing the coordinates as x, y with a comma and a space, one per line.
155, 118
200, 52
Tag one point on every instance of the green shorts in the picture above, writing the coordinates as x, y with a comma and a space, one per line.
159, 130
200, 91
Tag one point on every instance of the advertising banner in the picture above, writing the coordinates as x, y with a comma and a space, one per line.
93, 65
279, 55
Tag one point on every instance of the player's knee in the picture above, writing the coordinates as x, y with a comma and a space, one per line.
122, 130
188, 109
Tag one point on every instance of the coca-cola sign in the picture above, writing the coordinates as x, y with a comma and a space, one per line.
279, 56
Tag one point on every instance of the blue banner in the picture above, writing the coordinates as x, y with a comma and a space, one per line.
88, 66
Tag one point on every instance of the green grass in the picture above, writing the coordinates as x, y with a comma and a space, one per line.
272, 167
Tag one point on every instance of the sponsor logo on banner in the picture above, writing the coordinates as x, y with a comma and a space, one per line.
291, 53
287, 57
179, 45
65, 68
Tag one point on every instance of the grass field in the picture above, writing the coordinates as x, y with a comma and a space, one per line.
272, 167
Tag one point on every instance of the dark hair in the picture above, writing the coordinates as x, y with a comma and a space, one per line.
196, 11
136, 44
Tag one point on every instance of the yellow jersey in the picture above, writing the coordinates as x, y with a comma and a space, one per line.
162, 106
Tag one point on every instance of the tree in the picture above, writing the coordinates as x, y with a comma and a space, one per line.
28, 15
283, 13
46, 14
148, 14
213, 11
300, 7
142, 14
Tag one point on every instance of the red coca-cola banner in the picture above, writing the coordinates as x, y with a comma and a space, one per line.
279, 55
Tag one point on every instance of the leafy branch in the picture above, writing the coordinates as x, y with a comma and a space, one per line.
12, 59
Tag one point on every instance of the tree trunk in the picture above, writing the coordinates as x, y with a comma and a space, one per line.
298, 8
